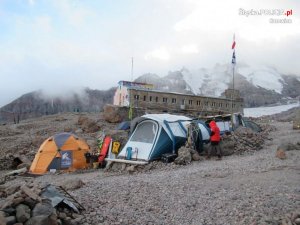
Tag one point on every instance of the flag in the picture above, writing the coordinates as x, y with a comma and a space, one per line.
233, 44
233, 58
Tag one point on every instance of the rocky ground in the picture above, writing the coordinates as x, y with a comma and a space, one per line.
253, 188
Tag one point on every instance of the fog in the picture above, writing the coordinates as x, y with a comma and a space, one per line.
64, 45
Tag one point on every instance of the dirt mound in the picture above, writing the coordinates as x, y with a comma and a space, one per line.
88, 125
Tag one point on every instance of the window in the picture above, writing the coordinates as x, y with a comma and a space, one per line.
173, 100
220, 104
226, 105
145, 132
145, 97
182, 102
190, 102
213, 104
198, 102
165, 99
137, 97
150, 98
156, 99
206, 103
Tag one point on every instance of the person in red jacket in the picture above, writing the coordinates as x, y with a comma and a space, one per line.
215, 139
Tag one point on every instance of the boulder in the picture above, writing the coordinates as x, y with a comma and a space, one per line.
8, 202
41, 220
184, 156
29, 201
73, 184
115, 114
195, 155
2, 218
22, 213
12, 189
295, 215
17, 201
297, 221
10, 220
30, 193
82, 120
87, 125
280, 154
44, 208
62, 215
116, 167
131, 168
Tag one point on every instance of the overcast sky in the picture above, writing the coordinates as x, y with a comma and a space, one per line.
60, 45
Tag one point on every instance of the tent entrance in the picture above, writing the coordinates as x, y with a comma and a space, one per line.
143, 139
55, 164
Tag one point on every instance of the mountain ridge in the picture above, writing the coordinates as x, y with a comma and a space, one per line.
256, 86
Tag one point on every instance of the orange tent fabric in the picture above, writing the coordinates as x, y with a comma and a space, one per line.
64, 151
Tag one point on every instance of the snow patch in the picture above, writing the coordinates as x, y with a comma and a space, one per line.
264, 111
215, 81
211, 82
264, 77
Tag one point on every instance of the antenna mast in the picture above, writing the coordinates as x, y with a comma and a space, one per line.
131, 69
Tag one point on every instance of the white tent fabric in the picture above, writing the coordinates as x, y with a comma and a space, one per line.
205, 133
175, 127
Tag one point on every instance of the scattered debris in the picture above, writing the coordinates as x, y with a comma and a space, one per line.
244, 140
31, 205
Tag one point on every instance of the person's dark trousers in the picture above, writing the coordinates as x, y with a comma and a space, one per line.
214, 146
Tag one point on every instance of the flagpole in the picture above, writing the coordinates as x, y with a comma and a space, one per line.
233, 61
233, 75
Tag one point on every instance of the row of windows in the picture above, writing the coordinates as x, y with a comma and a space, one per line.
190, 102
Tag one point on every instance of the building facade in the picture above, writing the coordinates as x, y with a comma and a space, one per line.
141, 95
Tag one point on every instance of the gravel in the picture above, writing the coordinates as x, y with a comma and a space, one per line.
254, 188
243, 189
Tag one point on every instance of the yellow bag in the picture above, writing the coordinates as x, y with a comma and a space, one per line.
115, 147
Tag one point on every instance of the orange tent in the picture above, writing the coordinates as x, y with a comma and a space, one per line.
64, 151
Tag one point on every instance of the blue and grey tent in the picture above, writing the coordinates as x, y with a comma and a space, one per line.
155, 134
125, 125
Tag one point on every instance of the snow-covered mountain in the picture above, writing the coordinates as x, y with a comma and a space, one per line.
258, 85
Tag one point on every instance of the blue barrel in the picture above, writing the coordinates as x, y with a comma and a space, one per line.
128, 153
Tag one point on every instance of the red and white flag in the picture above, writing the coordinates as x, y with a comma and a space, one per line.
233, 44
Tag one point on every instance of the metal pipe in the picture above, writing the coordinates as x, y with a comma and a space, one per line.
127, 161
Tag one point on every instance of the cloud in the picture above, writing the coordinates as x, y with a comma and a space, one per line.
31, 2
90, 43
190, 49
160, 53
74, 11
